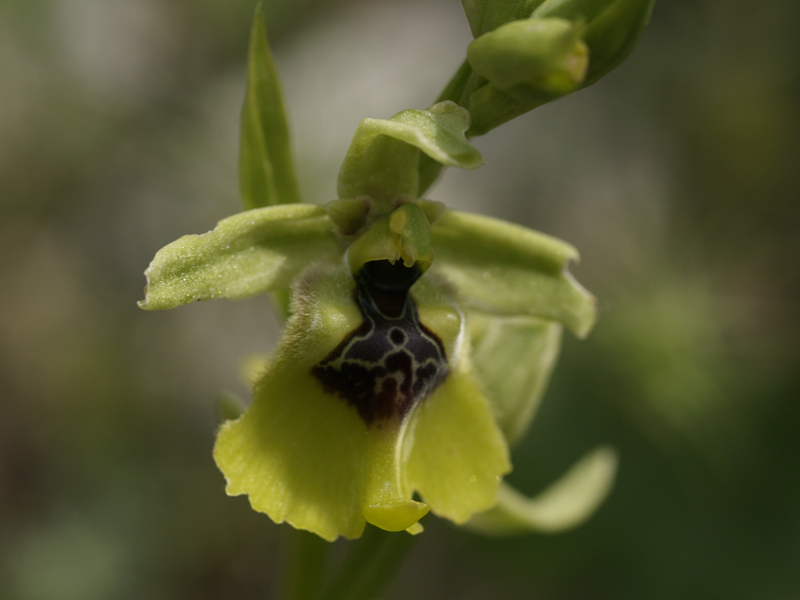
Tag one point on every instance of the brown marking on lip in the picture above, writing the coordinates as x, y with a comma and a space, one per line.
390, 362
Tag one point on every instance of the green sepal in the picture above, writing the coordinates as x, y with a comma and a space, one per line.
266, 170
513, 358
247, 254
565, 504
382, 161
611, 28
504, 269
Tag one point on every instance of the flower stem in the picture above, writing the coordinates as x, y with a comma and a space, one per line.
308, 556
371, 564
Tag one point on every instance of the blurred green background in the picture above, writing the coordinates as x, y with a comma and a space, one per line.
673, 176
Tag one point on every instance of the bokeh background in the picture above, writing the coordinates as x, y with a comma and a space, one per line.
676, 177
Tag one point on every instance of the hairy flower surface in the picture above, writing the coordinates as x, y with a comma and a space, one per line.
372, 395
418, 340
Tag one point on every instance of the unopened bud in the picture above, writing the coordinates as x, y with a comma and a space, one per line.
532, 57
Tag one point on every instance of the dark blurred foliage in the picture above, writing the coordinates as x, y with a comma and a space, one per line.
673, 176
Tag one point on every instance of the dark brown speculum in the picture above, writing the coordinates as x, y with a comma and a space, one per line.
391, 361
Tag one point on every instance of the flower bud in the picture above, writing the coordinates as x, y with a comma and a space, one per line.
564, 46
612, 28
531, 58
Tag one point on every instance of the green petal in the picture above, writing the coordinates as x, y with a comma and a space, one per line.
501, 268
513, 358
564, 505
266, 169
249, 253
383, 157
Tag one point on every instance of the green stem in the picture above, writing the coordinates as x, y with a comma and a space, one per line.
371, 564
308, 555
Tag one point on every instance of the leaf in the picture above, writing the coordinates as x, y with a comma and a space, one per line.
247, 254
565, 504
266, 169
382, 160
504, 269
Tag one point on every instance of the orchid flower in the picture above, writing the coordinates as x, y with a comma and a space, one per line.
418, 340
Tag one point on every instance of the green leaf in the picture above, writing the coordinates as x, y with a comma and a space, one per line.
564, 505
266, 169
382, 161
504, 269
513, 359
247, 254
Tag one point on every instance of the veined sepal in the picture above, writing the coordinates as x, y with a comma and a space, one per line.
253, 252
501, 268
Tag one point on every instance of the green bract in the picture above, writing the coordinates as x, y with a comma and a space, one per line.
419, 340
